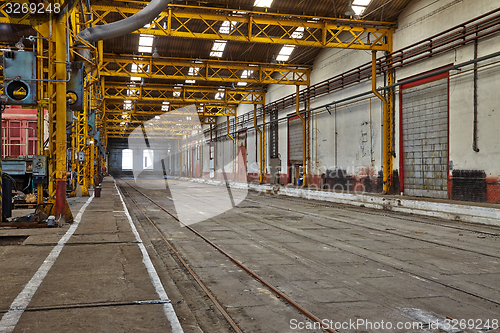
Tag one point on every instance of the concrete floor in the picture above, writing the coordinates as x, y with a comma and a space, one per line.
341, 263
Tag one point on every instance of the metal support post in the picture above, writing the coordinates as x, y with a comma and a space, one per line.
61, 74
304, 139
233, 141
387, 128
261, 148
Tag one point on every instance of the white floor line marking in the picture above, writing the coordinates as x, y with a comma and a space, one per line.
11, 318
155, 279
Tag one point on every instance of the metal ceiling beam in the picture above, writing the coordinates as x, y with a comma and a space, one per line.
257, 27
150, 109
182, 94
202, 70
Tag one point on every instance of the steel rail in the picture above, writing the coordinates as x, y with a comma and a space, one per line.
193, 274
249, 271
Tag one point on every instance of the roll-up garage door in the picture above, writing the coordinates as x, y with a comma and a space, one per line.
295, 140
424, 112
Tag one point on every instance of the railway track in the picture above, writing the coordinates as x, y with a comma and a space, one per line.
311, 263
212, 297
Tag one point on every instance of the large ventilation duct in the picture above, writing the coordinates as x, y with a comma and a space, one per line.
125, 26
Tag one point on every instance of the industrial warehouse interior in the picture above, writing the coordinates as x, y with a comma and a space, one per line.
250, 166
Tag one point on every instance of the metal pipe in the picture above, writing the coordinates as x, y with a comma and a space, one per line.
234, 142
304, 152
125, 26
261, 174
386, 128
474, 136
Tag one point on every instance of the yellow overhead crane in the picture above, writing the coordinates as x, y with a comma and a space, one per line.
182, 94
203, 70
257, 27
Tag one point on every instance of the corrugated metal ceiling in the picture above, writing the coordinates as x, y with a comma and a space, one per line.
386, 10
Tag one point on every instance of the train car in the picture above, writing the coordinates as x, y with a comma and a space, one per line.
19, 145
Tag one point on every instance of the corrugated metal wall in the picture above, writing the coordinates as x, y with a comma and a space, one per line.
295, 141
425, 139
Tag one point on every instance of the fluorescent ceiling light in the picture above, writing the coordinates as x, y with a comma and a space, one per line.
263, 3
242, 83
190, 81
135, 78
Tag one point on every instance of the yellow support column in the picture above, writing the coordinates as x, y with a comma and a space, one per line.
387, 129
92, 159
60, 147
40, 129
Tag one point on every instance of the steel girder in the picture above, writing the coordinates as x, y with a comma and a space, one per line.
145, 108
182, 94
258, 27
203, 70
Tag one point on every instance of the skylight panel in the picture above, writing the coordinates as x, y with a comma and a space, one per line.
227, 27
146, 40
165, 106
242, 83
146, 43
298, 33
193, 71
219, 95
359, 6
246, 74
219, 45
361, 2
145, 49
287, 50
190, 81
218, 48
127, 105
263, 3
358, 10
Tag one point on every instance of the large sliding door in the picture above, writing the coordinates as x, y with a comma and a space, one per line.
424, 137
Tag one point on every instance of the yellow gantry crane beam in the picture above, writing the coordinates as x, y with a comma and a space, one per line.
152, 132
182, 94
150, 109
247, 26
203, 70
258, 27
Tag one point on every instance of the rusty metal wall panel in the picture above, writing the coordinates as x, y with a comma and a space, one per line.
425, 139
295, 141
